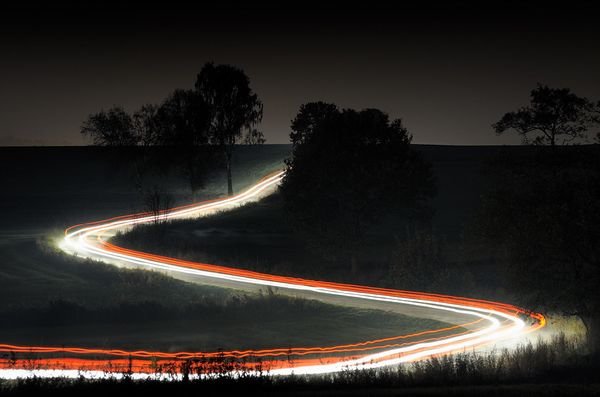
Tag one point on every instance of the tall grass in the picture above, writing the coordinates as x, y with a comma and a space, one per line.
560, 360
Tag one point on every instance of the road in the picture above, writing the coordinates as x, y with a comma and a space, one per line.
473, 323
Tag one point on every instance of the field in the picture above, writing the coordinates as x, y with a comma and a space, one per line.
266, 241
50, 298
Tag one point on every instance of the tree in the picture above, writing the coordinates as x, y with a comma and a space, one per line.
544, 212
254, 137
552, 114
110, 128
234, 107
347, 169
309, 116
177, 132
115, 128
182, 124
145, 130
146, 125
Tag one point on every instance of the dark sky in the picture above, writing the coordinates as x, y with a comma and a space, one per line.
447, 71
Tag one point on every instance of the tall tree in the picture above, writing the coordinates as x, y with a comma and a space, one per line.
146, 125
347, 169
183, 124
234, 107
145, 129
113, 127
308, 118
554, 116
254, 137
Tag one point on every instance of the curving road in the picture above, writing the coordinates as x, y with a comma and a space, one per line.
473, 322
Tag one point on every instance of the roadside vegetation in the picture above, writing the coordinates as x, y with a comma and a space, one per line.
555, 367
61, 300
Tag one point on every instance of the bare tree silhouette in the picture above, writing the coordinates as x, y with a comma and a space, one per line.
113, 127
552, 114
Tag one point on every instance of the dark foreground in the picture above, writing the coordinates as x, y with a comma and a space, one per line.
546, 368
84, 388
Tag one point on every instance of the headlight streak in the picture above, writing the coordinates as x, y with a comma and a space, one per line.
87, 240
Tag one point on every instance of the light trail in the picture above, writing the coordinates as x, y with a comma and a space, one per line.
489, 321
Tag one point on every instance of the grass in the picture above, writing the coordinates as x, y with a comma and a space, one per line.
56, 299
47, 191
34, 273
264, 241
242, 322
546, 368
49, 297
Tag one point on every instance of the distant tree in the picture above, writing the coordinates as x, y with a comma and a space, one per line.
145, 129
347, 169
254, 137
146, 125
309, 116
182, 123
183, 118
234, 107
553, 114
175, 133
544, 212
113, 127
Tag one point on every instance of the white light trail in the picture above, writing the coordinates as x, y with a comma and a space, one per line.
87, 241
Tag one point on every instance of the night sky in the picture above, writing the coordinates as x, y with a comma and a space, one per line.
448, 72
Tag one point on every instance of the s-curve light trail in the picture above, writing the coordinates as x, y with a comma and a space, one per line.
476, 322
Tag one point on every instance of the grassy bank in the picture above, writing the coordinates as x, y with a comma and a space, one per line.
266, 242
55, 299
552, 368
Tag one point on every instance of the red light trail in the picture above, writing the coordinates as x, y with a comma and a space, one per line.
477, 322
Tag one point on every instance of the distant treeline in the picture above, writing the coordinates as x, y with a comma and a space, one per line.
201, 125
